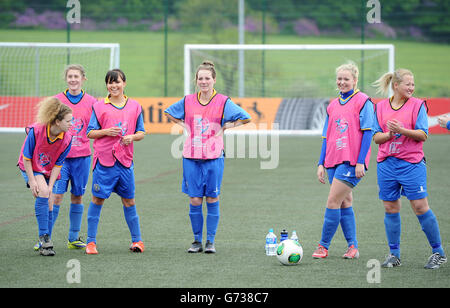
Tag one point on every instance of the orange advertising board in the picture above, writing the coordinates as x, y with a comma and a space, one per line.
261, 110
437, 107
18, 112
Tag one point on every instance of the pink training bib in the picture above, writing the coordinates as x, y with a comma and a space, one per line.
400, 146
45, 154
203, 123
344, 133
108, 149
81, 115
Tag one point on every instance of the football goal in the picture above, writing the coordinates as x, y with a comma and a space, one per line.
31, 71
303, 76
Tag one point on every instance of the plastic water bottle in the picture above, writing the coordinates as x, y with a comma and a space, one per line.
284, 235
271, 243
294, 236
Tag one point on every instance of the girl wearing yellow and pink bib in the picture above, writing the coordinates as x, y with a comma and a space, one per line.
116, 123
76, 167
204, 115
41, 157
401, 128
345, 157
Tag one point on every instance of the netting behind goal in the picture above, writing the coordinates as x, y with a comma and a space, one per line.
286, 70
31, 71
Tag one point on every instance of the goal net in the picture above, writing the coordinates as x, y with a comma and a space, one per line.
303, 76
31, 71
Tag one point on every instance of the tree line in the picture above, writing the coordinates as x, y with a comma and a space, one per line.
427, 17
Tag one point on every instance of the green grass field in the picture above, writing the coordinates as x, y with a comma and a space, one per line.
142, 56
252, 201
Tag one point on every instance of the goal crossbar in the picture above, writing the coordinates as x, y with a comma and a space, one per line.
114, 59
110, 59
189, 47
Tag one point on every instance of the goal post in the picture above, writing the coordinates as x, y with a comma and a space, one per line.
303, 76
31, 71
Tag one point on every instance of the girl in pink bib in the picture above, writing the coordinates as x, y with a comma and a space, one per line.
116, 123
401, 128
345, 157
76, 168
42, 154
204, 115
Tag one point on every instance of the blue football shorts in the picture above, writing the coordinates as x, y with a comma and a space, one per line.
397, 177
344, 172
25, 177
202, 178
76, 171
118, 179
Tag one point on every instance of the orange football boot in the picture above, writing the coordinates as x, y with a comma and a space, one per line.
91, 248
137, 247
352, 253
320, 253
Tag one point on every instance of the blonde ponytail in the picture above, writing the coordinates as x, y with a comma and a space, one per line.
382, 84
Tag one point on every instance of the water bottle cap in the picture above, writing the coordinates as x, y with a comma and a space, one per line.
270, 230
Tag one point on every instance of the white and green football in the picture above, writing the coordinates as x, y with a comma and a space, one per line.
289, 252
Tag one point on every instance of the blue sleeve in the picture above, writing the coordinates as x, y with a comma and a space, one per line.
233, 112
176, 110
366, 116
366, 123
422, 120
365, 145
376, 126
93, 123
63, 156
325, 128
30, 144
140, 124
323, 151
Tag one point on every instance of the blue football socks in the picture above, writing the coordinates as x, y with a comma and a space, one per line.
93, 217
132, 219
41, 212
330, 224
75, 217
50, 223
430, 227
393, 226
348, 225
196, 216
55, 213
212, 220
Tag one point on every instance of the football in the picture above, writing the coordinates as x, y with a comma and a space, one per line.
289, 252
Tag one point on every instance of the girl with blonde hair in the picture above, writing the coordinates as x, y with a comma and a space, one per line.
345, 157
41, 158
400, 129
77, 165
